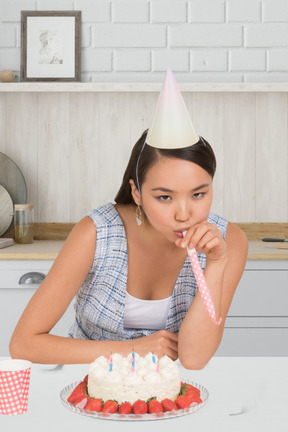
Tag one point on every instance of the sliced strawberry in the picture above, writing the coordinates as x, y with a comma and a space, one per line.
78, 394
169, 405
93, 404
183, 401
155, 406
140, 407
125, 408
110, 406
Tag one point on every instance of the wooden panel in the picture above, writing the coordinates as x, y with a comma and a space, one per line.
142, 110
239, 157
78, 145
114, 139
21, 138
209, 121
271, 158
83, 150
53, 157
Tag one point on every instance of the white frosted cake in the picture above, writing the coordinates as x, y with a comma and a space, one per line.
133, 377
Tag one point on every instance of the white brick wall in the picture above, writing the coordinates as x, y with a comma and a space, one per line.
54, 4
207, 11
177, 60
136, 40
168, 11
203, 60
278, 60
243, 11
241, 60
275, 11
130, 12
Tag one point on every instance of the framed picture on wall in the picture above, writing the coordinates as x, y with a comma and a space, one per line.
50, 45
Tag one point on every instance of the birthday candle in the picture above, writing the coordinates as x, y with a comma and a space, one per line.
202, 285
157, 367
110, 363
133, 362
153, 358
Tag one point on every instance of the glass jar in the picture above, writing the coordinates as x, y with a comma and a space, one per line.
23, 223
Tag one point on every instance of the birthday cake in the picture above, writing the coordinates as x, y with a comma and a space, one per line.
132, 378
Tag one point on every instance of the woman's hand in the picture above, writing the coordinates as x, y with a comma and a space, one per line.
160, 343
206, 238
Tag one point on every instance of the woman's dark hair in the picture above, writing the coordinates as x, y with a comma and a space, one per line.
200, 153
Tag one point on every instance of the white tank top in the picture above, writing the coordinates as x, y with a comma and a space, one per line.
145, 314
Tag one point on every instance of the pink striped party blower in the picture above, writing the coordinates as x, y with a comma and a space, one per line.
202, 284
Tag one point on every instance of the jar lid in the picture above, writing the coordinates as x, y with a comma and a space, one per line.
24, 206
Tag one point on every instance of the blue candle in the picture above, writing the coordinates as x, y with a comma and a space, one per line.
133, 361
153, 359
110, 364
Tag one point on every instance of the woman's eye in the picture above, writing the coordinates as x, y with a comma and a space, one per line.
164, 198
198, 195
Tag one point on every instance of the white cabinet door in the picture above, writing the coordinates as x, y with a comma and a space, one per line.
257, 322
18, 282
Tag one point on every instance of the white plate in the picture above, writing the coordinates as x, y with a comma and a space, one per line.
6, 210
65, 393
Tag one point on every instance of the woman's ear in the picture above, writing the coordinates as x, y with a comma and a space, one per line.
135, 192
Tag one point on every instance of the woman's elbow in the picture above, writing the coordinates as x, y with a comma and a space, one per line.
17, 347
192, 364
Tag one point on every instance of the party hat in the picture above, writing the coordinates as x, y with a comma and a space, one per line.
171, 126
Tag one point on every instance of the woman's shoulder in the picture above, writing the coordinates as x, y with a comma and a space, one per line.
236, 236
103, 214
220, 221
113, 215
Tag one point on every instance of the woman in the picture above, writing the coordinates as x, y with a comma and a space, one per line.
127, 263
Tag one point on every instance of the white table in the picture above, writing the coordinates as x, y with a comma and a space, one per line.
255, 390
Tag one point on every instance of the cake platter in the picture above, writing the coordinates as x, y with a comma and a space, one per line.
66, 391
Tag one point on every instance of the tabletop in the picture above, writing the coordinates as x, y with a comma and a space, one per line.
245, 394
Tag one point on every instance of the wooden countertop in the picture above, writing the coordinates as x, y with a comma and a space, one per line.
39, 250
49, 249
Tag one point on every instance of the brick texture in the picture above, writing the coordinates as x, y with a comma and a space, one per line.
136, 40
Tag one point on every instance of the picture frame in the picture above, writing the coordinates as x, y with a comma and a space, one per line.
50, 46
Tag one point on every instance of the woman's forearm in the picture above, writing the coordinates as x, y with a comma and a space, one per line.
199, 337
51, 349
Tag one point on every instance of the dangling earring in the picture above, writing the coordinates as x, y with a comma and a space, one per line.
138, 215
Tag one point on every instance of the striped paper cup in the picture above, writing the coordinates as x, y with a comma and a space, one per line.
14, 386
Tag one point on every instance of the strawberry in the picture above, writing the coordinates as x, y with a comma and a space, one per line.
169, 405
110, 406
78, 394
191, 392
189, 389
125, 408
183, 401
140, 407
193, 397
93, 404
155, 406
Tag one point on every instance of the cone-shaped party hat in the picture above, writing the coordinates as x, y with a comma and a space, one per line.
171, 126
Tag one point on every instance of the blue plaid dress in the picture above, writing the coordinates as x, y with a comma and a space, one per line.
100, 302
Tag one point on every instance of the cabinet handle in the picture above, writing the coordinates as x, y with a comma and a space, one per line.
31, 278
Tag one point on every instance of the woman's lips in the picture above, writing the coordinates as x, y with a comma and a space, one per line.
179, 234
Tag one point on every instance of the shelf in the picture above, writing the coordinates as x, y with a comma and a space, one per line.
138, 87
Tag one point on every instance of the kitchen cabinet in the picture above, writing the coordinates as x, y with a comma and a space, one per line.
18, 282
257, 323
